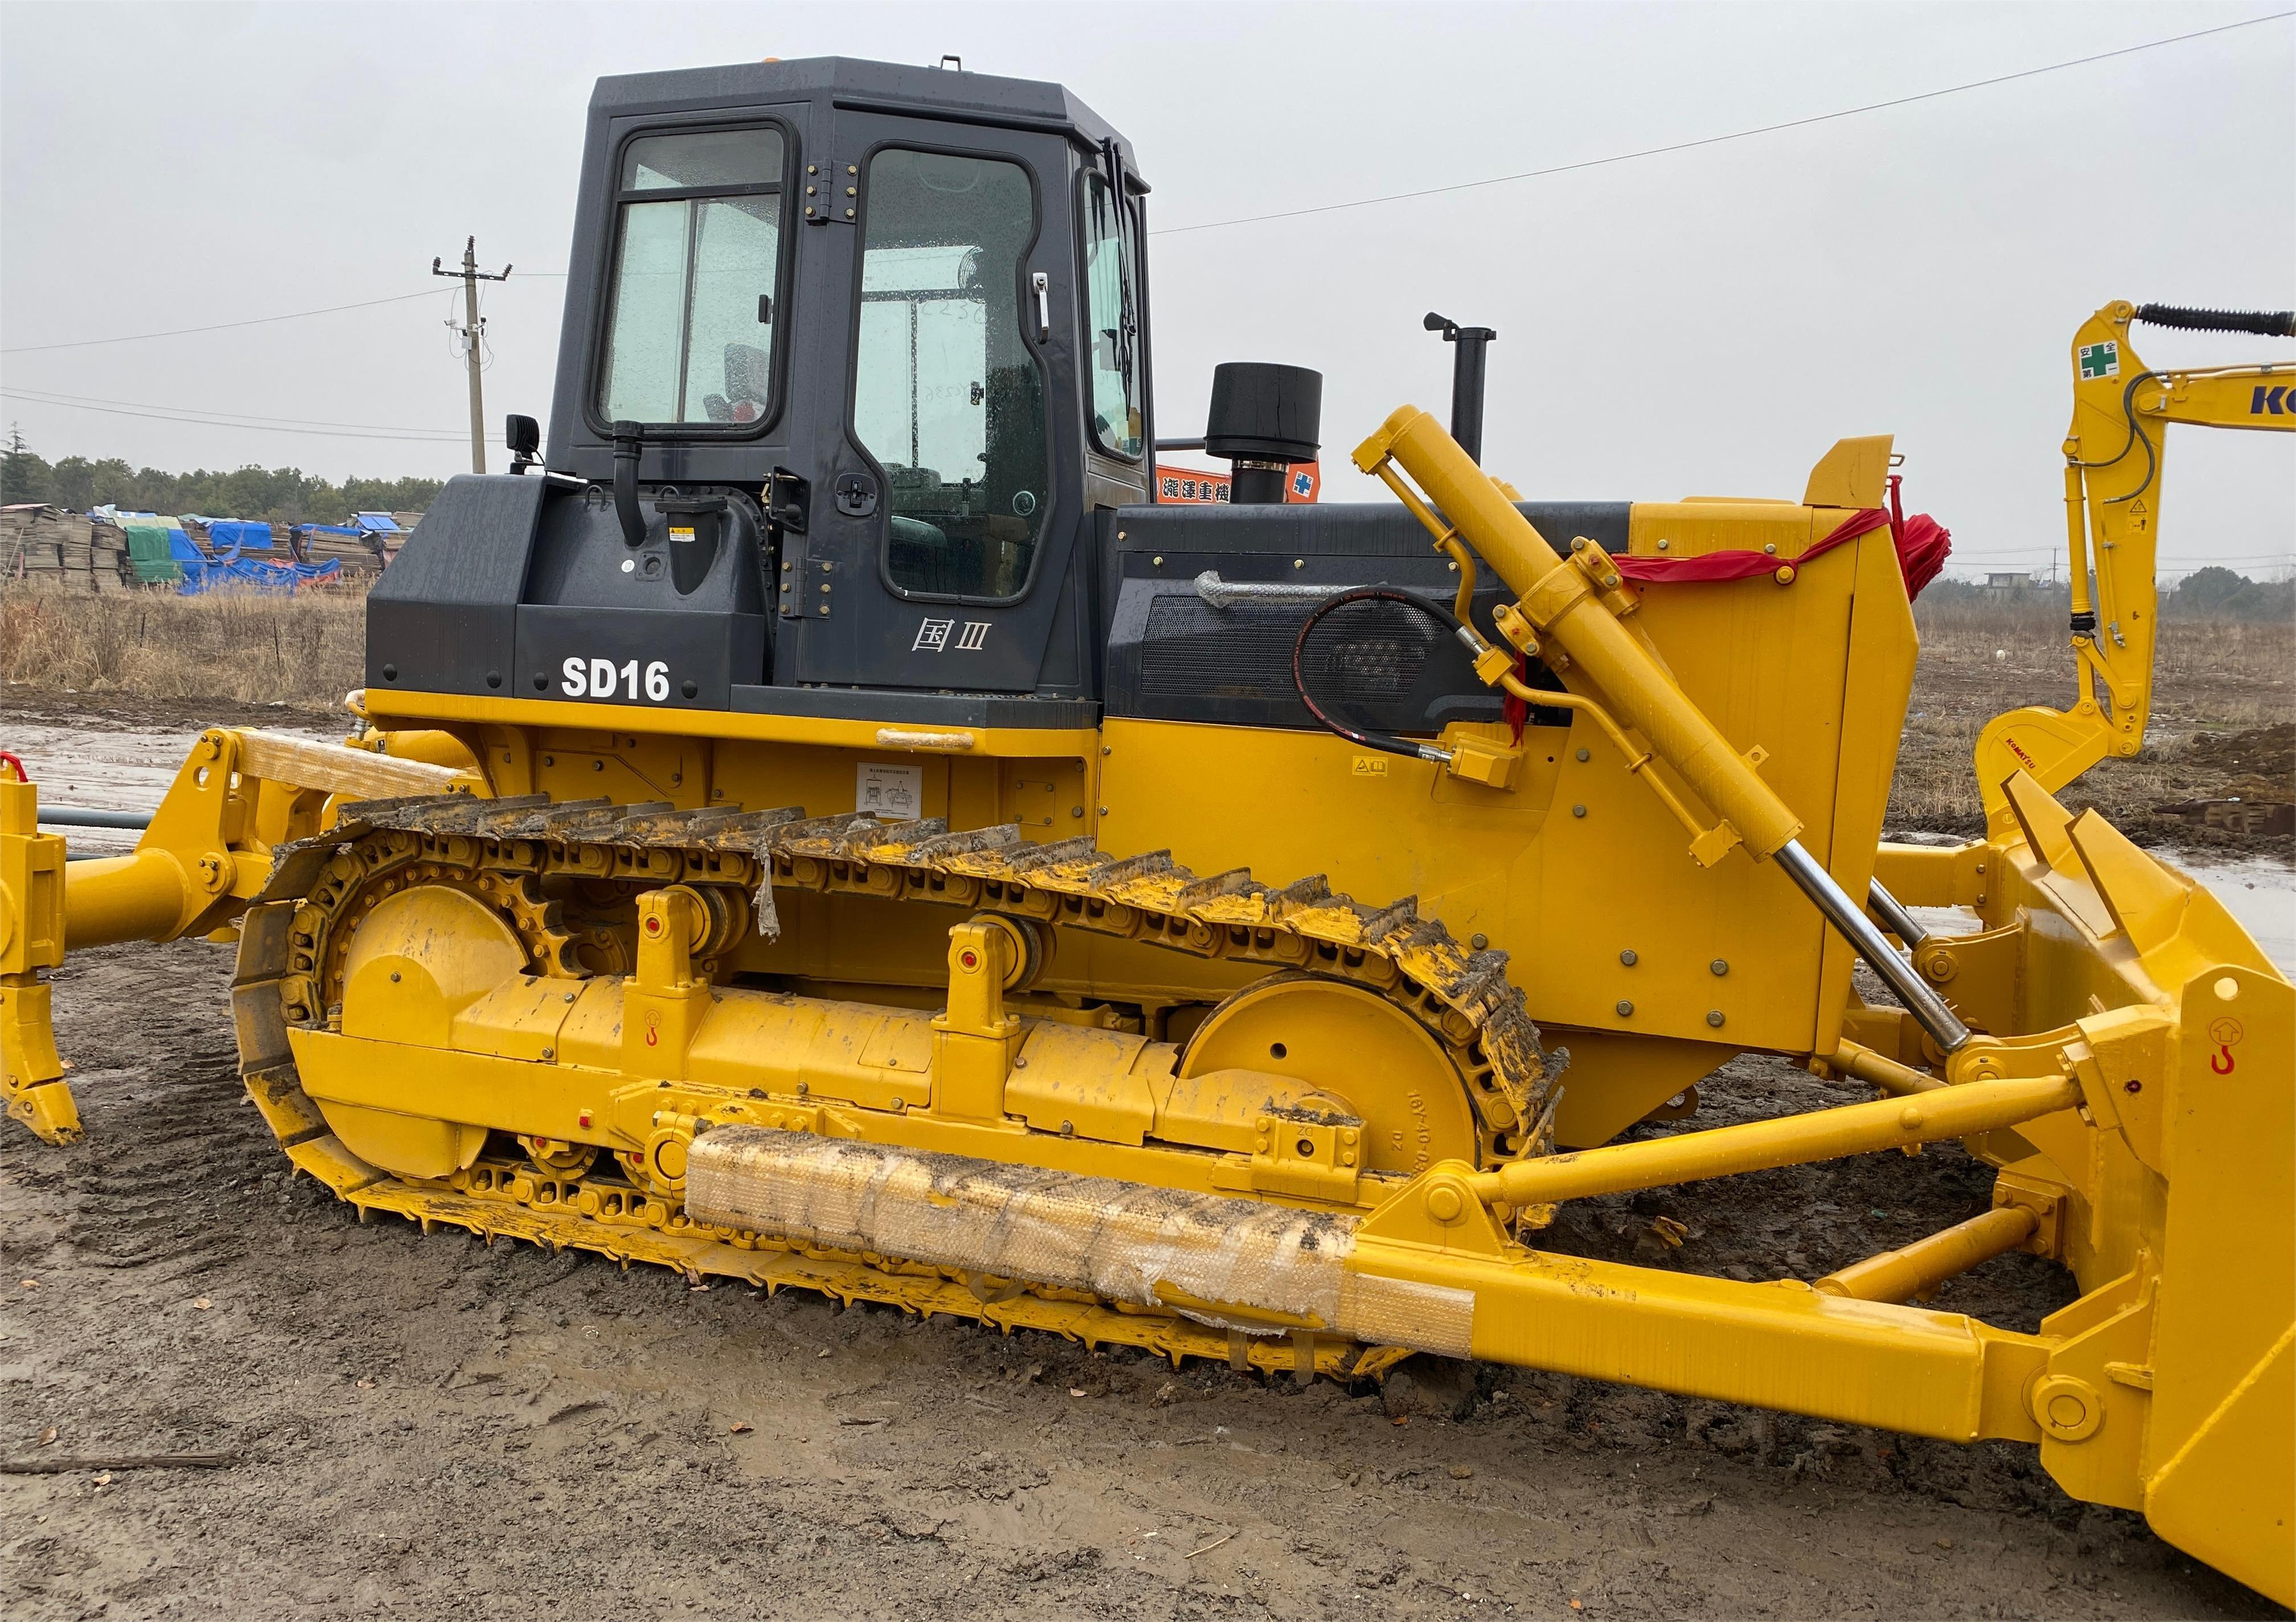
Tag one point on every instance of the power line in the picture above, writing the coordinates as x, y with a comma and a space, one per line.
1361, 203
88, 343
2239, 557
251, 428
1740, 135
51, 397
2278, 560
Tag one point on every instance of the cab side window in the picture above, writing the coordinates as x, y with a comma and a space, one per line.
947, 394
698, 248
1113, 312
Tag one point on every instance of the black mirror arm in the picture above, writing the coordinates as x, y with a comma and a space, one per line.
629, 438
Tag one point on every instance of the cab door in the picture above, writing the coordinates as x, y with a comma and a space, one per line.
947, 497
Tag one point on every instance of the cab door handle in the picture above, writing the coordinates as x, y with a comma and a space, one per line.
1042, 284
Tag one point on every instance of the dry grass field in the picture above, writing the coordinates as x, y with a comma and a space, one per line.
305, 651
2224, 715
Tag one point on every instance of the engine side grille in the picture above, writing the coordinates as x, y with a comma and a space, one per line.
1364, 653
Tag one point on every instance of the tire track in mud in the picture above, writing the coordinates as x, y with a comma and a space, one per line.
172, 1139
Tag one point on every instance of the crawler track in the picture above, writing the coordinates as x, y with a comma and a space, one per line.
509, 851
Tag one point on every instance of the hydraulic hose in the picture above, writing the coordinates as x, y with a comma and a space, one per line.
1386, 742
2263, 324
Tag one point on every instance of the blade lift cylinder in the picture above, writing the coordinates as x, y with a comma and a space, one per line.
1562, 601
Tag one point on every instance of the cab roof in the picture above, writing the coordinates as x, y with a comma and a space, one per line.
865, 86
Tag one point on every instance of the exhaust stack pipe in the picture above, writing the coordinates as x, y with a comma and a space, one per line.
1467, 362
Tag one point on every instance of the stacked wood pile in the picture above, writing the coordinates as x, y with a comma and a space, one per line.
359, 554
202, 531
2261, 811
49, 547
55, 547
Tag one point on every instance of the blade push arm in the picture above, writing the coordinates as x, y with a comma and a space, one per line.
207, 852
2113, 471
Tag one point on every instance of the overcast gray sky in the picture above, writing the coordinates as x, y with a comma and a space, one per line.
1704, 322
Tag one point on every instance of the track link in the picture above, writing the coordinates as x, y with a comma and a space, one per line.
295, 933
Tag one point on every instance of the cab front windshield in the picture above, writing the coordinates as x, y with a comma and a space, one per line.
698, 248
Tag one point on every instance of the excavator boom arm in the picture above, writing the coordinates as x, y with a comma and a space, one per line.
2223, 397
2114, 454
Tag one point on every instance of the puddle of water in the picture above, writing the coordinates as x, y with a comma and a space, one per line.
2258, 892
1947, 920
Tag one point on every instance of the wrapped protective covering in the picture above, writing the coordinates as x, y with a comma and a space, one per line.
1123, 1241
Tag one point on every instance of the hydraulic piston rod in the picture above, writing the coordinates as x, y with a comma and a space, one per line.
75, 816
1930, 1011
1894, 916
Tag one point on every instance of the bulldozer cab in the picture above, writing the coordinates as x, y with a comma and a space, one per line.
852, 352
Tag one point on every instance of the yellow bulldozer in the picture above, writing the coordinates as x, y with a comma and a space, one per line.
824, 822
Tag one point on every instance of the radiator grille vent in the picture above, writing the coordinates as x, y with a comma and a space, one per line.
1364, 653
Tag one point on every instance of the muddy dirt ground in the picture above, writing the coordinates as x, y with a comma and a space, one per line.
429, 1428
424, 1427
2223, 722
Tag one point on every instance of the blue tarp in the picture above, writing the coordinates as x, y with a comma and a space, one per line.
223, 568
249, 574
229, 536
227, 570
377, 524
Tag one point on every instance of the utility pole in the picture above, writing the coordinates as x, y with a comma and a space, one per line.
472, 330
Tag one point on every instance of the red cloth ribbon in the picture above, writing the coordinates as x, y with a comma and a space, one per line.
1922, 543
1514, 711
1746, 565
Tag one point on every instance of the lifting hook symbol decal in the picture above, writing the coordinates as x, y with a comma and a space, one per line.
2227, 1034
653, 1029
